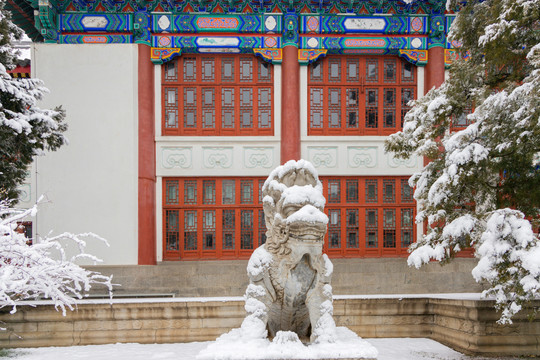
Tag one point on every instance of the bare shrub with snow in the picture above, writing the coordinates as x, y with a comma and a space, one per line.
42, 269
478, 173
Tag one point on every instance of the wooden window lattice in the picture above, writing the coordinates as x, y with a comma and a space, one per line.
190, 69
406, 192
208, 66
389, 190
389, 228
209, 229
172, 235
334, 228
352, 228
246, 192
352, 190
246, 236
171, 71
223, 217
389, 108
389, 70
221, 95
171, 108
359, 95
171, 192
228, 229
372, 227
407, 223
190, 230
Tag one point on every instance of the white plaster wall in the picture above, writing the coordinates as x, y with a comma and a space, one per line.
91, 184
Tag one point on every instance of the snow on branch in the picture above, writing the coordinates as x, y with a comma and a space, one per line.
509, 261
42, 269
477, 172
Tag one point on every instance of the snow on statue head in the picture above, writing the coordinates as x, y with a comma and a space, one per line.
293, 205
289, 275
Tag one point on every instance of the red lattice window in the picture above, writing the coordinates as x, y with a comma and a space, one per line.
352, 228
224, 95
359, 95
373, 217
222, 218
216, 218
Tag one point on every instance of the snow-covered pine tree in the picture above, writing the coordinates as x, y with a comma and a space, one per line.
481, 187
25, 129
40, 270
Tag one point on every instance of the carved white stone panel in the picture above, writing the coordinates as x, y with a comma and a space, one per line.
97, 22
362, 156
270, 23
258, 157
176, 157
220, 50
408, 163
416, 43
364, 24
313, 42
323, 156
217, 157
217, 41
164, 22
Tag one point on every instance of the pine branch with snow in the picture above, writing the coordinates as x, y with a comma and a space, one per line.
26, 130
477, 173
42, 269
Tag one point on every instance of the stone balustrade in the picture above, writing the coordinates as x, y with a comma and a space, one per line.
466, 324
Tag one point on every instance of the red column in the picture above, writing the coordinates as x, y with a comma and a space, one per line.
290, 105
434, 68
147, 164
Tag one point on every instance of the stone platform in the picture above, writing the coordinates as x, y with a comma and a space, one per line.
351, 276
466, 324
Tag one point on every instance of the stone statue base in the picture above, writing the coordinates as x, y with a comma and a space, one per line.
237, 345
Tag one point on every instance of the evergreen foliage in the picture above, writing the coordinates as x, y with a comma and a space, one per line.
25, 129
481, 187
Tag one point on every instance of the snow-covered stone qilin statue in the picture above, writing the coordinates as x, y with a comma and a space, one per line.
289, 275
289, 298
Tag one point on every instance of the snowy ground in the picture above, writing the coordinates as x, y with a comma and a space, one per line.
389, 349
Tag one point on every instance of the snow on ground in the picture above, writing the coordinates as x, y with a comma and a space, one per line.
389, 349
286, 345
119, 300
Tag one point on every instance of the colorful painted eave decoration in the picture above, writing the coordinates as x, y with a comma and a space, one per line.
187, 23
267, 23
96, 39
160, 56
316, 29
349, 24
215, 44
335, 44
95, 22
308, 56
367, 7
